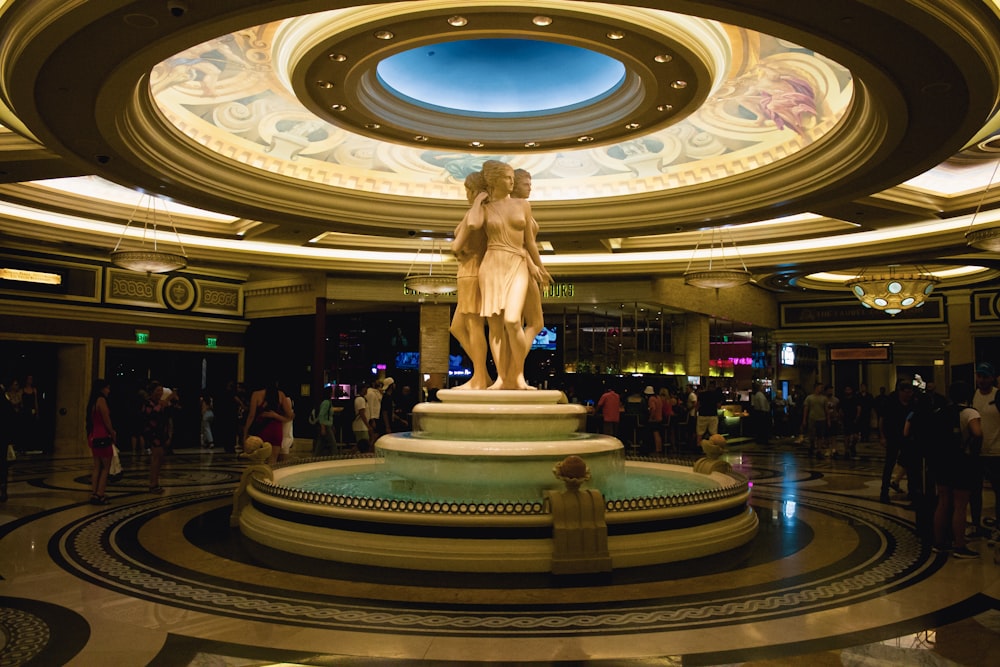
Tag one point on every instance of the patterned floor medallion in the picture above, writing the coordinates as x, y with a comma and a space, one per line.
107, 548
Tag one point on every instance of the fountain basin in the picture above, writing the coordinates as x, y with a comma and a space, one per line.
488, 536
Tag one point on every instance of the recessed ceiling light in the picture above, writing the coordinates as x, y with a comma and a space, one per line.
476, 144
679, 84
542, 21
325, 84
373, 126
338, 107
584, 139
663, 58
616, 35
458, 21
632, 126
384, 34
665, 107
337, 57
420, 137
531, 144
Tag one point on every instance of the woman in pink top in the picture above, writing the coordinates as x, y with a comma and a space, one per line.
101, 439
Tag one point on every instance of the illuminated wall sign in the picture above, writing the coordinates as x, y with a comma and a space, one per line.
141, 336
24, 276
559, 291
729, 362
872, 353
211, 341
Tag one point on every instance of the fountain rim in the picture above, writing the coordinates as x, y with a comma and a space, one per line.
739, 487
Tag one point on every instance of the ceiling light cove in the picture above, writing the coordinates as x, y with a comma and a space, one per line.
503, 81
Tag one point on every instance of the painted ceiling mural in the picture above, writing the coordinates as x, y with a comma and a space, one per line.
775, 99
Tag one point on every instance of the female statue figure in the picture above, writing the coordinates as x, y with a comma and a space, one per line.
533, 321
506, 271
469, 247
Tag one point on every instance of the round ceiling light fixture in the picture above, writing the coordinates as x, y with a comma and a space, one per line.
893, 289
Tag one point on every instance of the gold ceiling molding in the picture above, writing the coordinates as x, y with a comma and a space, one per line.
851, 161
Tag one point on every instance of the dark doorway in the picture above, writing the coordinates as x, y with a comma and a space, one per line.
33, 431
188, 373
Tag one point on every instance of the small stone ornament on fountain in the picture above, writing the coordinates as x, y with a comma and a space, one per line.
714, 447
572, 471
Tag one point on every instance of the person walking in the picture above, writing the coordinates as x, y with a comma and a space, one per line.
954, 459
325, 438
891, 422
610, 407
101, 438
850, 412
364, 434
760, 411
985, 402
207, 419
156, 432
654, 418
816, 419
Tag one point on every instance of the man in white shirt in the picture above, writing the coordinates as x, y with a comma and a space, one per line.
361, 425
985, 402
374, 403
692, 413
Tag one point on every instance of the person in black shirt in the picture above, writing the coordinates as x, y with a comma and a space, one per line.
891, 420
850, 410
709, 401
388, 409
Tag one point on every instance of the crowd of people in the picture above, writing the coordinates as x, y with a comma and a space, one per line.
942, 446
23, 402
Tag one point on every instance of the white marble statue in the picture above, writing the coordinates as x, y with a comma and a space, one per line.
509, 273
469, 247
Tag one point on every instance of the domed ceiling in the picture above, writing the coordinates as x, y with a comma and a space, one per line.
336, 136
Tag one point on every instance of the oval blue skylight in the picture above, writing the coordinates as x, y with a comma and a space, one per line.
501, 76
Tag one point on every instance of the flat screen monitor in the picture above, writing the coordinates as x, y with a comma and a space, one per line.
546, 339
408, 361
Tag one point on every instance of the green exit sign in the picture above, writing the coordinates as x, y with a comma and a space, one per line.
141, 337
211, 341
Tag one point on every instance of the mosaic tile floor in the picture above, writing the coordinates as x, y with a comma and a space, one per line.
833, 577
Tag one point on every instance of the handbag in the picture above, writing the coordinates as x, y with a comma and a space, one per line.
101, 443
115, 472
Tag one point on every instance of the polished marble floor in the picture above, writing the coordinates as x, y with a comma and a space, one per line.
833, 578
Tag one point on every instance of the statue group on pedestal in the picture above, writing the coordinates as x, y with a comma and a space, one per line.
500, 275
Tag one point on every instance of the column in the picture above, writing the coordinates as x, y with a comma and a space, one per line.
694, 344
319, 351
435, 343
961, 346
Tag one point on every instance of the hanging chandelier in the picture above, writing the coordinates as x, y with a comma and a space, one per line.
148, 257
431, 282
715, 276
894, 289
989, 237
